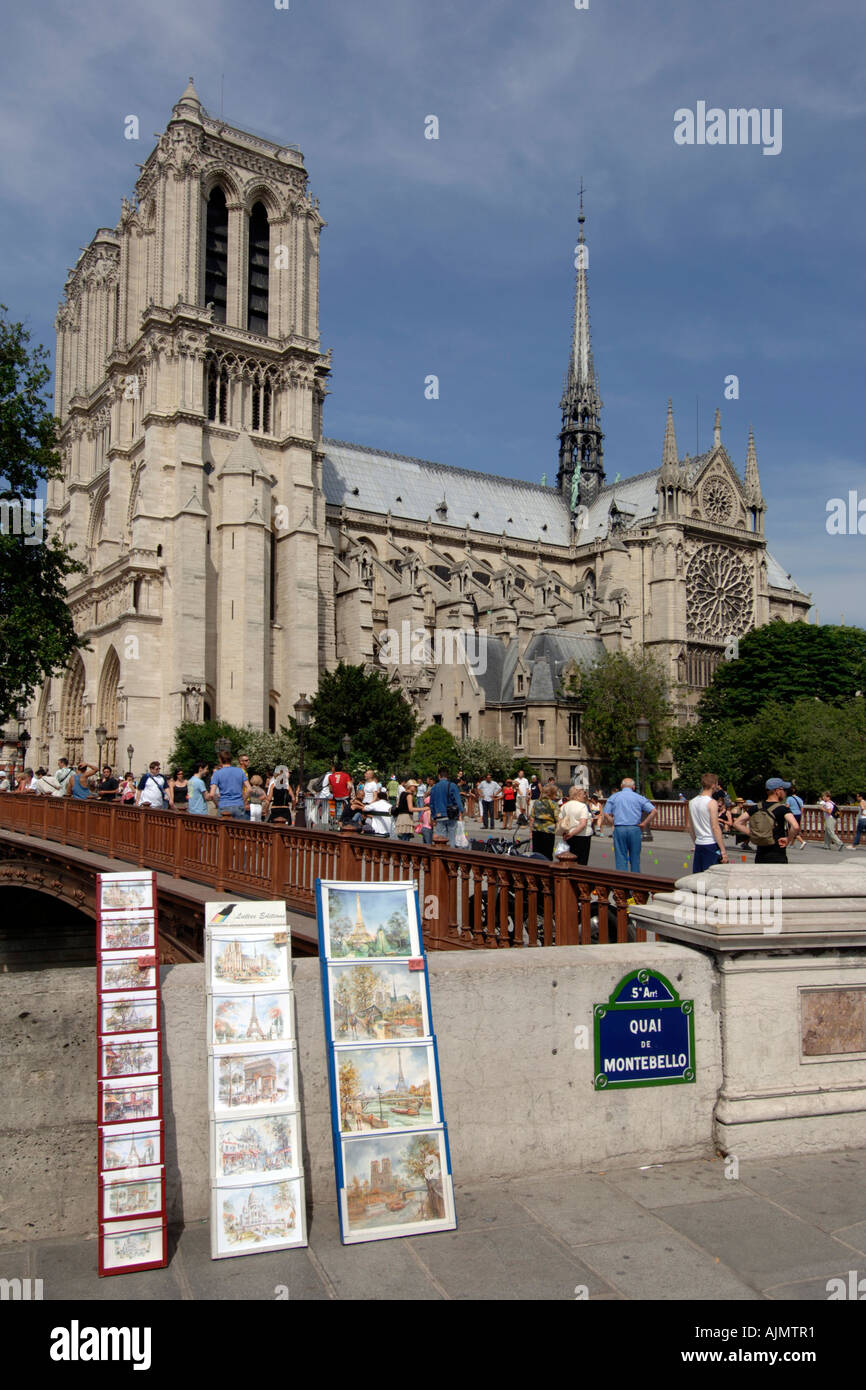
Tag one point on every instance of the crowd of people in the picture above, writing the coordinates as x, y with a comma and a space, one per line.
434, 808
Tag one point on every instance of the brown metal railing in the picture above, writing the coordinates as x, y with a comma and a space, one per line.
469, 899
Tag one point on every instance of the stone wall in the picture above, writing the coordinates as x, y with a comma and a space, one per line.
517, 1093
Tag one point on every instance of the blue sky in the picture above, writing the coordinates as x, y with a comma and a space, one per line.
455, 256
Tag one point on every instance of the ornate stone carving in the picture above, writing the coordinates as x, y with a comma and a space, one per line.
717, 501
719, 593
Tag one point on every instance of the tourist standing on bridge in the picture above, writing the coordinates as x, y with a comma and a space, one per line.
81, 781
487, 790
199, 795
108, 785
61, 777
575, 824
151, 793
231, 787
629, 813
446, 807
543, 816
705, 827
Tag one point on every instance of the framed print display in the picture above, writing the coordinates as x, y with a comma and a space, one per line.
390, 1139
253, 1081
127, 931
256, 1146
376, 1001
127, 892
396, 1185
129, 1054
250, 1018
247, 958
259, 1216
133, 1099
386, 1087
128, 970
131, 1203
369, 922
133, 1146
257, 1177
136, 1011
125, 1196
125, 1246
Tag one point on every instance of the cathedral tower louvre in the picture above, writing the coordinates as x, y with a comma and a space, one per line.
581, 456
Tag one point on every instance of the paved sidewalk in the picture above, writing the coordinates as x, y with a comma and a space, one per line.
779, 1230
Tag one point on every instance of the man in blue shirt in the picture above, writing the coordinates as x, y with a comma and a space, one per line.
198, 792
230, 784
629, 812
445, 797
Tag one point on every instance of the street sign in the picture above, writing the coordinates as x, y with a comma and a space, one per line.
644, 1035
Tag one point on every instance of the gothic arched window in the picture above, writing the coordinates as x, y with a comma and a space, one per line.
217, 392
257, 275
216, 256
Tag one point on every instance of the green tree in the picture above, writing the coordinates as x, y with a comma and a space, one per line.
432, 749
37, 634
613, 694
785, 662
197, 741
478, 756
353, 701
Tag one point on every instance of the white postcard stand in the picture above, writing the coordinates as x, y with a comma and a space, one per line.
257, 1175
391, 1150
132, 1224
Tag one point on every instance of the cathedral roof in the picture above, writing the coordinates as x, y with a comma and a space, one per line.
375, 481
546, 656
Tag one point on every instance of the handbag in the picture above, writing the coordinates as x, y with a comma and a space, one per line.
461, 840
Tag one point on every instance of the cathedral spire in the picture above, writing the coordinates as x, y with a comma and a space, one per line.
670, 458
752, 479
581, 467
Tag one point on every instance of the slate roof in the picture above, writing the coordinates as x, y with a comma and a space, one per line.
546, 656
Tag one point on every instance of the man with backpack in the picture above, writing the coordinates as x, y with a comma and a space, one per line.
151, 789
771, 826
446, 807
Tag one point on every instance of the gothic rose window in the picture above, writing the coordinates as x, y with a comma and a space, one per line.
719, 599
717, 501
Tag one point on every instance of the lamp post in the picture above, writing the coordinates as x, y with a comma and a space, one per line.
129, 752
23, 740
101, 736
346, 744
302, 709
642, 732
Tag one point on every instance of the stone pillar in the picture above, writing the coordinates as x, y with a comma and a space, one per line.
789, 946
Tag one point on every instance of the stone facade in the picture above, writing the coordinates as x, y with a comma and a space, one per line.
233, 553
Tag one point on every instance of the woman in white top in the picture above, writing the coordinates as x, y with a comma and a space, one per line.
575, 824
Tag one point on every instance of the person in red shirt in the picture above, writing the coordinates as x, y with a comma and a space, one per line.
341, 790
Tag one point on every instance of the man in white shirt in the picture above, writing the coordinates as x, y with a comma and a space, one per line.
487, 790
704, 827
522, 785
62, 776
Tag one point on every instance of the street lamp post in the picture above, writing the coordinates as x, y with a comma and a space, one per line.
129, 752
302, 709
346, 744
101, 736
642, 731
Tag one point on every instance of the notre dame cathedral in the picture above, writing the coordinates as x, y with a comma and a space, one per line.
233, 552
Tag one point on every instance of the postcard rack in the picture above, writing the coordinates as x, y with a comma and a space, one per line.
132, 1226
257, 1175
391, 1152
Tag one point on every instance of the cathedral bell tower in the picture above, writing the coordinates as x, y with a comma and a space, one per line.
581, 457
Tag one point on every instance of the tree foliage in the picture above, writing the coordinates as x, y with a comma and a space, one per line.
434, 748
613, 694
360, 703
785, 662
37, 634
194, 742
478, 756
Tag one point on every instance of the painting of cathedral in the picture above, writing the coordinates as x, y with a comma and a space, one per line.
251, 1018
126, 892
395, 1185
182, 336
362, 922
251, 958
260, 1216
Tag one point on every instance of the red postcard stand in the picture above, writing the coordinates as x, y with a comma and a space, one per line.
131, 1214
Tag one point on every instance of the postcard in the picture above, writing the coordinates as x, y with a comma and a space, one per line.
268, 913
377, 1001
395, 1185
260, 1080
125, 892
135, 1011
248, 957
128, 1245
143, 1195
128, 970
361, 921
130, 1146
128, 931
129, 1054
123, 1100
256, 1146
251, 1018
386, 1087
257, 1216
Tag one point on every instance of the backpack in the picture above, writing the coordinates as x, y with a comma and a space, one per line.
762, 827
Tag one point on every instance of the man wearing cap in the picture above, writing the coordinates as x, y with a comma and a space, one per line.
785, 827
629, 813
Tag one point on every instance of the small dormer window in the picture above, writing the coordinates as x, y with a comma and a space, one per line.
520, 685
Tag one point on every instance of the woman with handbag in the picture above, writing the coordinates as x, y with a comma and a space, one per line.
543, 816
575, 824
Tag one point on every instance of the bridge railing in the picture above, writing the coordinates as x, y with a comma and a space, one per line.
468, 899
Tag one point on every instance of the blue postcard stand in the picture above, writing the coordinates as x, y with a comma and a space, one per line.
644, 1035
391, 1151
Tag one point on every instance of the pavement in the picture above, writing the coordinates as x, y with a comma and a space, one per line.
713, 1229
